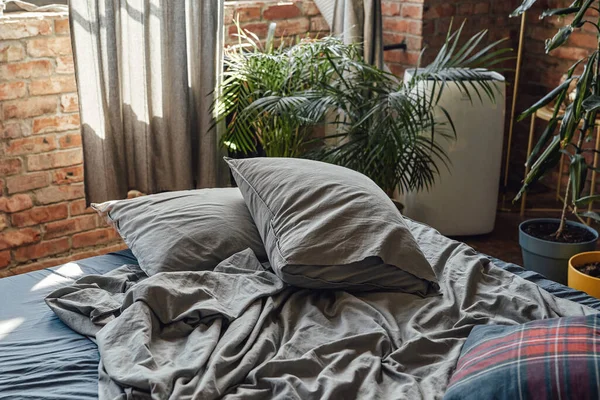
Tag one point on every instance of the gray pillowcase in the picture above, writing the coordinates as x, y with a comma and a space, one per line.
190, 230
328, 227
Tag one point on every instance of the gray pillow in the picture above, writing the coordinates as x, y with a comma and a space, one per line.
326, 226
188, 230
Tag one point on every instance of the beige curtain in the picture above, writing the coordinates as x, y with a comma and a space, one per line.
356, 21
146, 71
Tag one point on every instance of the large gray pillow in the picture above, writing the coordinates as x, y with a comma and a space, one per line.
326, 226
188, 230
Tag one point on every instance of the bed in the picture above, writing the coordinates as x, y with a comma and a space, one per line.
40, 357
414, 347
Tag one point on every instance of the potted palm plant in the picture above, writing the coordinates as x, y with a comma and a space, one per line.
254, 70
548, 244
377, 124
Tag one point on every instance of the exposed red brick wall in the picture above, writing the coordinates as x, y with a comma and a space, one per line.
295, 19
424, 24
43, 219
402, 21
492, 15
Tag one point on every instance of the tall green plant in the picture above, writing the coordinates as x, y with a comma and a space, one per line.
568, 132
384, 128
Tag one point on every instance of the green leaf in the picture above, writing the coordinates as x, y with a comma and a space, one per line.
543, 140
559, 39
578, 172
546, 99
548, 160
591, 103
563, 95
590, 214
584, 85
568, 124
270, 37
559, 11
577, 20
526, 5
584, 201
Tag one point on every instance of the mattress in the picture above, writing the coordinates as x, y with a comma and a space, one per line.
41, 358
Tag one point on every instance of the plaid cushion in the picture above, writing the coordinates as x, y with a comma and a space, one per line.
547, 359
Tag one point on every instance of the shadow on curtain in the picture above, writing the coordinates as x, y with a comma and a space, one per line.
146, 71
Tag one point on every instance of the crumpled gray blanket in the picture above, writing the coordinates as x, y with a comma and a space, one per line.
239, 332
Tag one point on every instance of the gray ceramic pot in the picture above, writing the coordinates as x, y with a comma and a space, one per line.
551, 259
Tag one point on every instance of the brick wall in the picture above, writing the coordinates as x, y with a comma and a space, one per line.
43, 219
403, 21
425, 23
295, 19
479, 15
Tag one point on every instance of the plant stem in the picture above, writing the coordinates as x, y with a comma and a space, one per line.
597, 86
563, 217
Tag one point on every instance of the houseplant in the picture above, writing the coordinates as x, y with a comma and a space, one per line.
254, 70
549, 243
377, 124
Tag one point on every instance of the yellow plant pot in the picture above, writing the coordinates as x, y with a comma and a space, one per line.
581, 281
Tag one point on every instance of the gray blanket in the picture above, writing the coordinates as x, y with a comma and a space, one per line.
238, 332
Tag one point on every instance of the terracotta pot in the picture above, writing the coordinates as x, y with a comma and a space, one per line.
579, 280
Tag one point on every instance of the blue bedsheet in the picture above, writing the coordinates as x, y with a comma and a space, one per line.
40, 358
556, 289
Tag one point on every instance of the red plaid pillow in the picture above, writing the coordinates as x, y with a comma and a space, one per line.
547, 359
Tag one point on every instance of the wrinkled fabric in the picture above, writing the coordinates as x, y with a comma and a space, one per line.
239, 332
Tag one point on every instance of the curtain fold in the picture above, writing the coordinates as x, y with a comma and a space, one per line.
356, 21
146, 71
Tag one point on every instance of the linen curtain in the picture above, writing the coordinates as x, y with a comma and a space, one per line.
356, 21
146, 72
